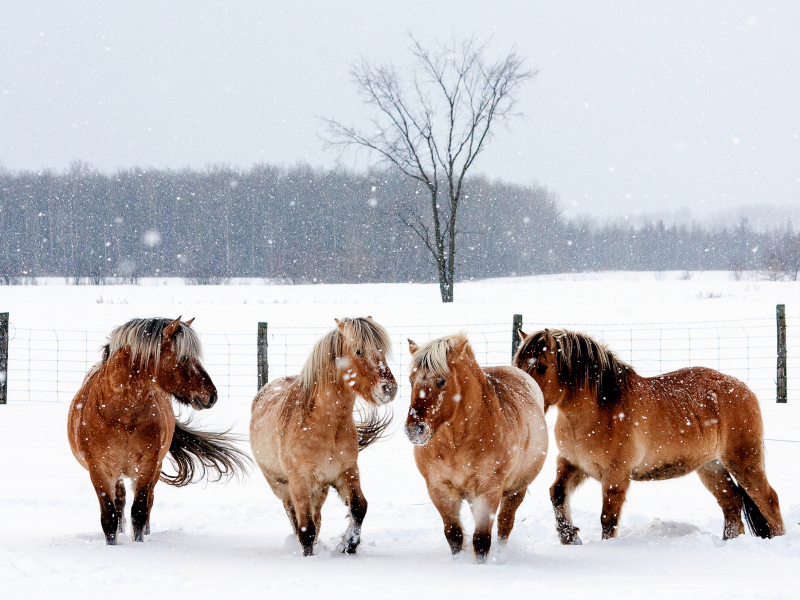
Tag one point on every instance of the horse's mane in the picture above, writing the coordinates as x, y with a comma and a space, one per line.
321, 365
581, 362
143, 338
431, 357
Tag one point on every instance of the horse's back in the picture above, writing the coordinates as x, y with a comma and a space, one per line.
516, 389
714, 398
115, 428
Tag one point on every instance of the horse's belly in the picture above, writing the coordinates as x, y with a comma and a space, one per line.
667, 470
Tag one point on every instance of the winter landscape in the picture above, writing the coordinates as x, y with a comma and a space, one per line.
627, 170
234, 539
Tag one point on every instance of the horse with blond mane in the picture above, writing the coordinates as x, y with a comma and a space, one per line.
479, 435
121, 422
303, 433
616, 426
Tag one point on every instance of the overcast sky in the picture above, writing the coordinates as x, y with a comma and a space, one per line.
638, 106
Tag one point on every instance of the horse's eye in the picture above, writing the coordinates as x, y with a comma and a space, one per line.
541, 368
440, 382
359, 352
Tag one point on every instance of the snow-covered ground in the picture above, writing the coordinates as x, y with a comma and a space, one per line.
234, 539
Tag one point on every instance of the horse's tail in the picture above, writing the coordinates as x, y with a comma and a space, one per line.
206, 453
756, 521
372, 426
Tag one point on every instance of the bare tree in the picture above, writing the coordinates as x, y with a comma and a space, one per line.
431, 121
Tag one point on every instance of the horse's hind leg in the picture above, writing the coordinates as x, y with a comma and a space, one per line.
568, 478
106, 495
719, 482
508, 510
748, 469
140, 509
349, 488
146, 530
119, 505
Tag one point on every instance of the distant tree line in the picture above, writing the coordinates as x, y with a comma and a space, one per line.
310, 225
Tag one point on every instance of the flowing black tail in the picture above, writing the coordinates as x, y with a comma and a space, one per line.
206, 453
372, 426
756, 521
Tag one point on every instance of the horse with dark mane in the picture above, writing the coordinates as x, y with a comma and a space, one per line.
121, 422
303, 433
479, 435
616, 426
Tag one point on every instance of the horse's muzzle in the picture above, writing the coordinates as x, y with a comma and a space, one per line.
418, 433
385, 393
198, 404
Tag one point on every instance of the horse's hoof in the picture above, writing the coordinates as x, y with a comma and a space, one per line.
308, 550
577, 541
147, 529
481, 558
111, 540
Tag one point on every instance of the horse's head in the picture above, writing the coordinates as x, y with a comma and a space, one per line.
439, 370
179, 371
364, 348
537, 356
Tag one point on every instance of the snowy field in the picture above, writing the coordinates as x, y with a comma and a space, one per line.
233, 540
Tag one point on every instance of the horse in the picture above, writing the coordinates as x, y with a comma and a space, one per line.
479, 435
616, 426
121, 422
303, 433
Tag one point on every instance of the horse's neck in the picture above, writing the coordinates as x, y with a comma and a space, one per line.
334, 401
478, 397
580, 406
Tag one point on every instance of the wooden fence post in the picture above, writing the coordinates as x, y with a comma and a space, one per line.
3, 358
781, 379
515, 339
263, 362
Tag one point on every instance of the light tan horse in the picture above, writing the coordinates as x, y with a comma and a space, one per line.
121, 422
479, 435
304, 436
616, 426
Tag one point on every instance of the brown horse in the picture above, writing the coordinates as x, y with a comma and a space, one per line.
304, 436
480, 436
121, 422
616, 426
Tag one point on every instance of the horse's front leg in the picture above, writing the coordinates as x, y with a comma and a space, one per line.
300, 491
484, 508
447, 501
568, 478
349, 488
615, 486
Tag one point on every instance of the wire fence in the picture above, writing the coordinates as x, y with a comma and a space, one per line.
49, 365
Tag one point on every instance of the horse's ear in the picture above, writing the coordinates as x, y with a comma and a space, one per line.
370, 318
522, 335
462, 349
171, 329
412, 347
189, 322
339, 324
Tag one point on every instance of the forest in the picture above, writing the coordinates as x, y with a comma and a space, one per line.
306, 225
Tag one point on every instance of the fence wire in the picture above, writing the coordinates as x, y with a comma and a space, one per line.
49, 365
